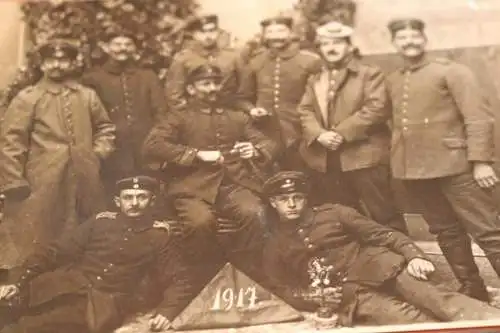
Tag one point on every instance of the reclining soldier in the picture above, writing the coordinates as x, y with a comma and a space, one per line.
86, 280
382, 274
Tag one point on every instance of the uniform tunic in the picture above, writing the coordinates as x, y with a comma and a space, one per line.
441, 120
105, 259
134, 98
54, 138
200, 127
368, 262
228, 60
276, 82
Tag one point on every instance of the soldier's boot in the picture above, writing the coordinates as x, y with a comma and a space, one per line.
458, 253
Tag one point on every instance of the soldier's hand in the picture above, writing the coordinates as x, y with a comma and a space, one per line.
257, 113
329, 140
210, 156
159, 323
420, 268
337, 141
245, 149
333, 295
227, 226
9, 291
485, 175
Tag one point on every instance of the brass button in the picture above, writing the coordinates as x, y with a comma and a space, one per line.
307, 240
301, 231
309, 246
99, 278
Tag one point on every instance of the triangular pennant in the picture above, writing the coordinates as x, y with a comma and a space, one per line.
232, 299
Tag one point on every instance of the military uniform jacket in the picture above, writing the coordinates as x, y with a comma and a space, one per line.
194, 55
355, 105
276, 82
134, 98
106, 258
361, 251
441, 120
180, 135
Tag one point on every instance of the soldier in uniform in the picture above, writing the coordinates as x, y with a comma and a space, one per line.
442, 148
202, 49
346, 141
85, 282
217, 162
273, 84
133, 97
54, 137
381, 273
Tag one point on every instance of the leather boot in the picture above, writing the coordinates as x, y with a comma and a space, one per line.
458, 253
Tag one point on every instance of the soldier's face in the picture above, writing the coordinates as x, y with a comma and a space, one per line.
121, 48
207, 35
205, 90
56, 69
289, 206
277, 36
334, 50
134, 202
410, 43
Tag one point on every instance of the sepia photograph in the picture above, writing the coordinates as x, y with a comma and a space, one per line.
255, 166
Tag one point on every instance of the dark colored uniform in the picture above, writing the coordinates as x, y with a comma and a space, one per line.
88, 278
276, 82
229, 61
351, 101
441, 126
134, 98
371, 260
201, 190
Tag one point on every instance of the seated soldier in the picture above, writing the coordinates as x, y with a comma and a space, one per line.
383, 275
217, 162
86, 280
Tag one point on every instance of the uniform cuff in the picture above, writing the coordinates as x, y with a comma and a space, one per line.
411, 252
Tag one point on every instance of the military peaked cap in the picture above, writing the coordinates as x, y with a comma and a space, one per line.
285, 20
58, 49
138, 182
407, 23
198, 22
286, 182
204, 71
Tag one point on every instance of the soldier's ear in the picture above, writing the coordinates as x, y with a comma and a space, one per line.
153, 200
190, 89
272, 201
104, 46
117, 201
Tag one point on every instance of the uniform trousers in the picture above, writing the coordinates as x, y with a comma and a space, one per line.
406, 300
207, 250
368, 190
455, 206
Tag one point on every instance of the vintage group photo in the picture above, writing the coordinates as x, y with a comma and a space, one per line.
256, 166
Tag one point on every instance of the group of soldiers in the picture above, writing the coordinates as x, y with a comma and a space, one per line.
220, 165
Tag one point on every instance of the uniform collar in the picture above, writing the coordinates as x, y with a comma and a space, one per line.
292, 50
204, 52
204, 107
58, 87
138, 224
414, 66
350, 63
116, 68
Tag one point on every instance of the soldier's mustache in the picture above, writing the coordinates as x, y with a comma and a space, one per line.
410, 46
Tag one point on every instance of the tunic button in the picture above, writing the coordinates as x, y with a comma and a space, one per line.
309, 246
99, 278
105, 270
217, 135
301, 231
426, 120
405, 128
404, 120
125, 238
322, 260
405, 96
307, 240
129, 229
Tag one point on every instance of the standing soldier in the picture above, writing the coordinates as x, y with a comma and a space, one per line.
202, 49
217, 162
134, 99
273, 84
87, 281
442, 147
381, 275
54, 137
344, 114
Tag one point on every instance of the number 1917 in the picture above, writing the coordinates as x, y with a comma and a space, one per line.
227, 298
